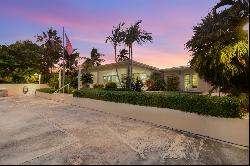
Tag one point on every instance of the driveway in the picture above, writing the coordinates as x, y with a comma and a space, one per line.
39, 131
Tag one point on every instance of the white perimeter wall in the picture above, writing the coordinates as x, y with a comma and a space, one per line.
17, 89
232, 130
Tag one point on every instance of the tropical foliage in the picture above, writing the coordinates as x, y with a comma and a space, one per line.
219, 47
20, 61
156, 82
123, 55
87, 78
51, 45
128, 36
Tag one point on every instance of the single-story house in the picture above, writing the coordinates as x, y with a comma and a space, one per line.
188, 78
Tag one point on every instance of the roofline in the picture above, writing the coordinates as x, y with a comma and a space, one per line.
176, 68
124, 63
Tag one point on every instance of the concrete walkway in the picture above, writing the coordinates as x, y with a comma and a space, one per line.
39, 131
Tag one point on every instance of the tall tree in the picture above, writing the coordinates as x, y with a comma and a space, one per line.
116, 39
135, 34
52, 47
71, 62
20, 61
219, 46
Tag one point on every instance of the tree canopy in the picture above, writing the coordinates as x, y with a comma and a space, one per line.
20, 61
219, 46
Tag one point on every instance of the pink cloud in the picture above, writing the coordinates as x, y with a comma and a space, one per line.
88, 22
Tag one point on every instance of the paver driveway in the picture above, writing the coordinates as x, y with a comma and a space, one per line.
39, 131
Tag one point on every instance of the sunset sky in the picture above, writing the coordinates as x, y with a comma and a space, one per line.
88, 22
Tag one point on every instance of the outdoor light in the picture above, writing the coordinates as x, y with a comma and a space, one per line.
246, 27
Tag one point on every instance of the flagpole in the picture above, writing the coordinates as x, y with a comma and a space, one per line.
79, 77
63, 63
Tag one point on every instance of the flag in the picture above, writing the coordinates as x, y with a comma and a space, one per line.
68, 45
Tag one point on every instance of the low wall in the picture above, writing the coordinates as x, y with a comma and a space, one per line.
17, 89
230, 130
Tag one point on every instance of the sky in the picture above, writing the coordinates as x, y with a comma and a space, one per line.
87, 23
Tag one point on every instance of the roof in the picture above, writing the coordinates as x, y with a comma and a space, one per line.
176, 68
135, 63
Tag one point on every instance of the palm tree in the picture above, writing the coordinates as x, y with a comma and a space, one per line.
135, 34
123, 55
95, 57
115, 39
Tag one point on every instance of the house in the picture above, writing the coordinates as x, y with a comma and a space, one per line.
188, 78
107, 73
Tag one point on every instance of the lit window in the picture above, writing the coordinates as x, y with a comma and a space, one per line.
194, 80
186, 81
105, 79
114, 78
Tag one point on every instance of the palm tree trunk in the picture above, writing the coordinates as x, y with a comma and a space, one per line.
131, 64
116, 68
128, 73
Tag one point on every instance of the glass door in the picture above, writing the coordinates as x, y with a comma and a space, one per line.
187, 82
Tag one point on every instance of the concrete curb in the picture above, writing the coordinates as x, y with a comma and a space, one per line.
230, 130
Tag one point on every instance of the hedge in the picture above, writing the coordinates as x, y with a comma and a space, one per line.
228, 107
47, 90
52, 90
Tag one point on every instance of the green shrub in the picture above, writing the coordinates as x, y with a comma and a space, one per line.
120, 89
137, 85
204, 105
47, 90
110, 85
156, 85
52, 90
98, 86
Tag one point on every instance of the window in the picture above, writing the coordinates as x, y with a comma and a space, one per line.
187, 81
110, 78
194, 80
114, 78
105, 79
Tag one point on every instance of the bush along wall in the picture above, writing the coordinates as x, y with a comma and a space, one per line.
52, 90
228, 107
47, 90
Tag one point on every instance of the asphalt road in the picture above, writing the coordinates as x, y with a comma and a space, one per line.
39, 131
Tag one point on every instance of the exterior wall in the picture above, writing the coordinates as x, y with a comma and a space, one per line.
99, 74
17, 89
202, 85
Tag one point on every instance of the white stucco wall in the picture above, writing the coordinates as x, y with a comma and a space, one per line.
233, 130
202, 85
99, 74
17, 89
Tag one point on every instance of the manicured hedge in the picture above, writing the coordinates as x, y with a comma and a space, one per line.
205, 105
52, 90
47, 90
